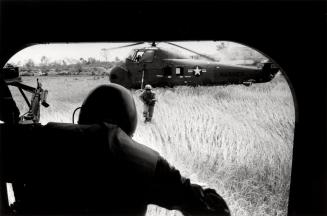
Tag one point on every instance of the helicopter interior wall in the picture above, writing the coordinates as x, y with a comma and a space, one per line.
193, 81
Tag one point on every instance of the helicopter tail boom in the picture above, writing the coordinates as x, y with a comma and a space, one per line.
269, 70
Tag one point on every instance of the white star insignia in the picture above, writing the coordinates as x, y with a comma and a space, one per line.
197, 71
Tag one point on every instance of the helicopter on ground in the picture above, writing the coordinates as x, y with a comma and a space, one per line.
161, 66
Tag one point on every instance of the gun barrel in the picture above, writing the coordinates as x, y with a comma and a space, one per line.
44, 96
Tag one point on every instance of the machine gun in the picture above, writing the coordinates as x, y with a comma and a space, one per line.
39, 96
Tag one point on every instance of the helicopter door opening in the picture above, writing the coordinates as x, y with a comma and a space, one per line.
167, 71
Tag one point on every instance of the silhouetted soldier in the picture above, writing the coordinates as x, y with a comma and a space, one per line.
149, 99
95, 167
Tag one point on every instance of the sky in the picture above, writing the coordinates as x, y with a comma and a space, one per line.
64, 51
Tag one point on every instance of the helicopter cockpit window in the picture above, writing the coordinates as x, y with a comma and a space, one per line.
148, 56
138, 56
131, 55
220, 119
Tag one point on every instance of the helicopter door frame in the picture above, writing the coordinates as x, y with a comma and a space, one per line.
147, 63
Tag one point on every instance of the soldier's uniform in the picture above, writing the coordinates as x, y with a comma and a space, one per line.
149, 99
95, 167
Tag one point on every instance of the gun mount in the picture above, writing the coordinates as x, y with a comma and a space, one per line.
39, 96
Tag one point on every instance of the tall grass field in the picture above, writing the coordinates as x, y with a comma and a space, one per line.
235, 139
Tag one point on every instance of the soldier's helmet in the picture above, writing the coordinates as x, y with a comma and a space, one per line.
110, 103
148, 87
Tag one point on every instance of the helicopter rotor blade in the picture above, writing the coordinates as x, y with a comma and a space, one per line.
119, 47
200, 54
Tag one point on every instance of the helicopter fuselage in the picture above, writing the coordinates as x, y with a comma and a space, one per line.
160, 68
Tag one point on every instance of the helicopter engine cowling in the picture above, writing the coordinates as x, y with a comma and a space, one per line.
121, 76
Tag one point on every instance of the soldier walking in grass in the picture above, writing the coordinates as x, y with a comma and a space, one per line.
148, 97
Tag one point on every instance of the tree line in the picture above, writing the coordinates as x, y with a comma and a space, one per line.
89, 66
